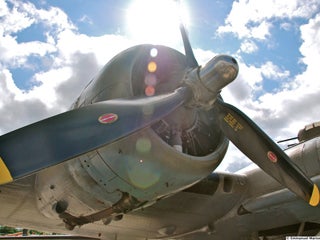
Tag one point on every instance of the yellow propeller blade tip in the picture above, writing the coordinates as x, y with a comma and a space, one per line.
314, 200
5, 175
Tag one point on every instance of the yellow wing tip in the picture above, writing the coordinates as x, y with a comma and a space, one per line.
314, 200
5, 175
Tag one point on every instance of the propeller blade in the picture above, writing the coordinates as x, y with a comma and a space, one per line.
191, 60
258, 147
67, 135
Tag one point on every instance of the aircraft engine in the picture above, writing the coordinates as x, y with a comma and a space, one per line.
148, 70
171, 155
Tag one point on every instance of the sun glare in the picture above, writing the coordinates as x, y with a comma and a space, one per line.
156, 21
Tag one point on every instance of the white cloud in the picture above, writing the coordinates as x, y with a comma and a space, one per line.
14, 112
8, 89
13, 20
310, 48
104, 47
248, 46
3, 8
70, 60
286, 26
86, 19
203, 56
254, 18
295, 104
16, 54
272, 71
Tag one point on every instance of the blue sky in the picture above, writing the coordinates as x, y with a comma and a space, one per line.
50, 49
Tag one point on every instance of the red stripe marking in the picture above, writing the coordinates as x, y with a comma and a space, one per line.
108, 118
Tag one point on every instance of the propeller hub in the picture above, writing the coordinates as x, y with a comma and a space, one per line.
206, 82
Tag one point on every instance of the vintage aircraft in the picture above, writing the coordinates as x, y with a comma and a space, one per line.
135, 159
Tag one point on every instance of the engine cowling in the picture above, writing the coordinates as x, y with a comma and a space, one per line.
147, 70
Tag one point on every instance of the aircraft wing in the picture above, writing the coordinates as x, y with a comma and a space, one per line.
231, 206
222, 206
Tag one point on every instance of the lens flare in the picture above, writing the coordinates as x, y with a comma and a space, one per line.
154, 52
150, 79
150, 91
152, 67
143, 145
148, 110
142, 174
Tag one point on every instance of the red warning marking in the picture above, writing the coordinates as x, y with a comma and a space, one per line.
108, 118
272, 157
